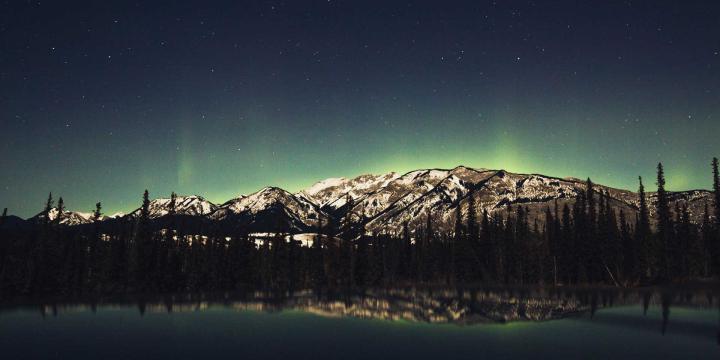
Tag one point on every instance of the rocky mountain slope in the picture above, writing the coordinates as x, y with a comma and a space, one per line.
184, 205
383, 203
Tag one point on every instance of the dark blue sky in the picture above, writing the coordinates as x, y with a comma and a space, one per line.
100, 100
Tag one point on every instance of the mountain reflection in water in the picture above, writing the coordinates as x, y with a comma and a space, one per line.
431, 305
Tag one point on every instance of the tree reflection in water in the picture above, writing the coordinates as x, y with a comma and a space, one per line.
461, 306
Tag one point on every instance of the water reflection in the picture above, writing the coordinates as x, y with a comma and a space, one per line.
465, 306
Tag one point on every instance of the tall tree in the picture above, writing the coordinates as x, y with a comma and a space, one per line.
648, 260
549, 248
97, 214
60, 210
664, 226
318, 262
144, 255
48, 206
580, 233
472, 224
427, 258
93, 262
592, 245
629, 250
472, 240
708, 237
456, 244
486, 248
145, 209
567, 247
172, 208
713, 242
716, 189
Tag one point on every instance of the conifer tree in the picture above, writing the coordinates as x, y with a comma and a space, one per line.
472, 225
428, 258
145, 209
708, 236
602, 248
144, 255
471, 246
455, 245
549, 247
716, 190
486, 248
713, 241
592, 245
648, 260
97, 214
60, 210
567, 254
172, 208
664, 226
406, 252
581, 239
317, 258
48, 207
591, 209
629, 251
93, 262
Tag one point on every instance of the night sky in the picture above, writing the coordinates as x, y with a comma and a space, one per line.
100, 100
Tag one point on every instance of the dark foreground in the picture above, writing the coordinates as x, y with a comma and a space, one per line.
397, 323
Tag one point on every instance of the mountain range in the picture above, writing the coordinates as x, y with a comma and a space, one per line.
384, 203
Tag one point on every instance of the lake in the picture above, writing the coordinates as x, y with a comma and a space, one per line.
406, 323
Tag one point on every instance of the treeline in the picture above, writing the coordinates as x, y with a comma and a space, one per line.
586, 242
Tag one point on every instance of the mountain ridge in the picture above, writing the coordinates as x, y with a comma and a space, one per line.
381, 203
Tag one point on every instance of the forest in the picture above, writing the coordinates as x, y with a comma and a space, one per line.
584, 243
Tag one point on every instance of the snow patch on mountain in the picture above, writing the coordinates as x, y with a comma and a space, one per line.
299, 209
67, 217
383, 203
336, 192
192, 205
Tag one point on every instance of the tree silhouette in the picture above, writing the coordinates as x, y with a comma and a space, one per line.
145, 208
48, 206
172, 207
642, 232
585, 239
713, 242
716, 189
97, 214
664, 232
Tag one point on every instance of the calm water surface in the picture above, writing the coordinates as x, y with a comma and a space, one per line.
323, 330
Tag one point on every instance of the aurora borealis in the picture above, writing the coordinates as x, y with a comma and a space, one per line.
101, 100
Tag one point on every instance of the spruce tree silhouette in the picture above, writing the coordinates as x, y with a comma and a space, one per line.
714, 243
523, 244
665, 227
716, 189
48, 206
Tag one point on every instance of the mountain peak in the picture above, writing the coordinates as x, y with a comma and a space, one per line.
66, 217
383, 203
184, 205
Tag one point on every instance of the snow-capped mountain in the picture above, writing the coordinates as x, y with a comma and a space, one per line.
383, 203
67, 217
437, 193
269, 209
334, 193
184, 205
